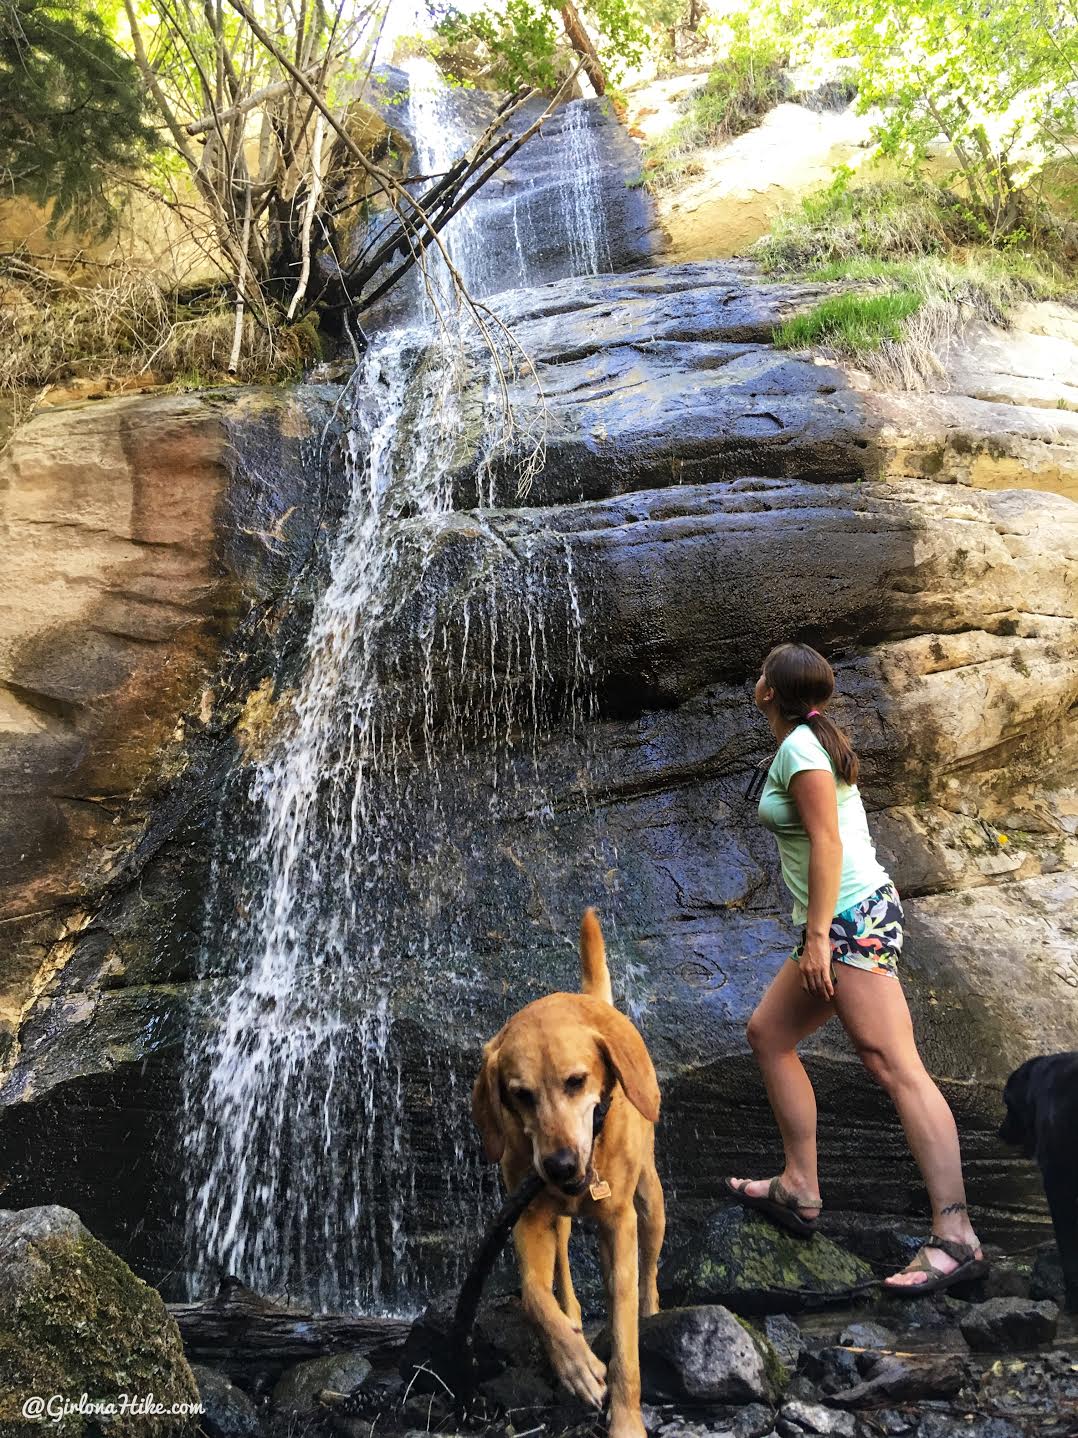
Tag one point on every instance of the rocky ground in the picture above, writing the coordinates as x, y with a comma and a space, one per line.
761, 1336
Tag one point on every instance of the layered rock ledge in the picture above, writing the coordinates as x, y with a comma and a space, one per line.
715, 495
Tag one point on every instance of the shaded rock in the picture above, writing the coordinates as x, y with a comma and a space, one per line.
705, 1355
298, 1388
904, 1380
679, 1427
937, 1311
949, 1425
866, 1335
740, 1260
511, 1365
752, 1421
227, 1410
74, 1319
1003, 1325
785, 1338
832, 1368
797, 1417
1046, 1277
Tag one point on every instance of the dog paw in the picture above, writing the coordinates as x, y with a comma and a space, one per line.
580, 1371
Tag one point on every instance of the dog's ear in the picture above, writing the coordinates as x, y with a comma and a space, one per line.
487, 1103
626, 1053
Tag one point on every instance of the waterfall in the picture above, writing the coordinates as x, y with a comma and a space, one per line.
414, 730
588, 235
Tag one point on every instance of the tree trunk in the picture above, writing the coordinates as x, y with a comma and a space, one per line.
581, 43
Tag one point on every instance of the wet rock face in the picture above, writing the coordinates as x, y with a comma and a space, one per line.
715, 497
75, 1320
570, 201
146, 543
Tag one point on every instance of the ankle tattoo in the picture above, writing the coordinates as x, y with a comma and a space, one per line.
954, 1208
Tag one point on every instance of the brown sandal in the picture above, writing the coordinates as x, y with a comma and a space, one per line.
962, 1253
779, 1205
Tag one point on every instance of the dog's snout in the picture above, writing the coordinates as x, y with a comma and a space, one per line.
560, 1166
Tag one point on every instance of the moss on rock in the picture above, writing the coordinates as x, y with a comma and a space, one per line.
744, 1262
75, 1320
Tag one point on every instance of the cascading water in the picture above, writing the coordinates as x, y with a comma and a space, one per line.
424, 696
588, 233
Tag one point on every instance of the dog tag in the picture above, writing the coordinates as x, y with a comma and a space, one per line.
599, 1189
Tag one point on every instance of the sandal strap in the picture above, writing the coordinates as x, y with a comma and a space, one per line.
778, 1193
960, 1252
921, 1263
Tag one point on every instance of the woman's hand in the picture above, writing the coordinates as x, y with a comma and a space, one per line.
815, 965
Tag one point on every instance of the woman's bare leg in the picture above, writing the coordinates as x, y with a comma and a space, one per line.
784, 1016
874, 1012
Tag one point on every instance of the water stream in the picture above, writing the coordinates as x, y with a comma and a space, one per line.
413, 734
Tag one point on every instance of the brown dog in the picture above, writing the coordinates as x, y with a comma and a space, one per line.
567, 1087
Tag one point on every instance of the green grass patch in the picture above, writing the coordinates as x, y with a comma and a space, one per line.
734, 98
921, 268
851, 324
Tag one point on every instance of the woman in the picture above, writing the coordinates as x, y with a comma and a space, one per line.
845, 964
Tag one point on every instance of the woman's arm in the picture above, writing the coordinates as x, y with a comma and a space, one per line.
814, 794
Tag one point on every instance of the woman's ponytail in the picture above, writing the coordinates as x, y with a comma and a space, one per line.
839, 749
804, 683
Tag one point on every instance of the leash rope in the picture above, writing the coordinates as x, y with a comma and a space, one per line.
462, 1352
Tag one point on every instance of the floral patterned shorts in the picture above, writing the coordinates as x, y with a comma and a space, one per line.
868, 935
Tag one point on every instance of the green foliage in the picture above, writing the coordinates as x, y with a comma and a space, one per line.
851, 323
846, 229
73, 115
996, 80
756, 42
522, 42
736, 95
904, 239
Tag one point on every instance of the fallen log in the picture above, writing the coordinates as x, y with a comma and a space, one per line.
254, 1338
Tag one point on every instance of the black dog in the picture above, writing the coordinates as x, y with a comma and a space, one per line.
1041, 1099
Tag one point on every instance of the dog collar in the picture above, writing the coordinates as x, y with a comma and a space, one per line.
598, 1188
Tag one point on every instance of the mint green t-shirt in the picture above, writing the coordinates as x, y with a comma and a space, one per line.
862, 873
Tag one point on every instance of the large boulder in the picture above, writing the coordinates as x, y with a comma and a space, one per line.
75, 1320
704, 1354
740, 1260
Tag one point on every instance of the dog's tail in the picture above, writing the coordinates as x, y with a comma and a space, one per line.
594, 974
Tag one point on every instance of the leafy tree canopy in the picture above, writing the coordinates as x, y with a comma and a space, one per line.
524, 41
996, 81
72, 111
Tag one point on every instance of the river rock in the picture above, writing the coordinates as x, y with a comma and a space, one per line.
1009, 1325
227, 1412
741, 1260
785, 1338
74, 1319
1046, 1276
298, 1388
797, 1417
866, 1335
703, 1354
891, 1379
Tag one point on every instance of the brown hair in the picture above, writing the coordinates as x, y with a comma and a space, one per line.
804, 681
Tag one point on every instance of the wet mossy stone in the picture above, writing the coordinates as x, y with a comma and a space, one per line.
298, 1388
75, 1320
741, 1260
